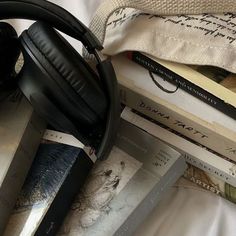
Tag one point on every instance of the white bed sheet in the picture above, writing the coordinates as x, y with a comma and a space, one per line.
185, 211
189, 210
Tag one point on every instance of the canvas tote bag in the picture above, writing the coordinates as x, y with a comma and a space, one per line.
186, 31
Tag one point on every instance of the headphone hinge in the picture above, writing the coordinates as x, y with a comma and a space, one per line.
91, 42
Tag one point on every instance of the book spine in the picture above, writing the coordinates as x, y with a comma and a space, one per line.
210, 183
189, 127
69, 189
182, 83
152, 199
20, 164
194, 154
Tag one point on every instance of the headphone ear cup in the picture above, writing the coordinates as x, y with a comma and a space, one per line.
62, 76
9, 51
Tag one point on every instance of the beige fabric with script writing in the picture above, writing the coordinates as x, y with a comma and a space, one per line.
208, 39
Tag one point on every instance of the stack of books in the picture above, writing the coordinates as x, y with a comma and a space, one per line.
118, 193
191, 108
174, 114
48, 177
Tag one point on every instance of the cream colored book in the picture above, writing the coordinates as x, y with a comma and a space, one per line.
199, 81
20, 133
180, 111
194, 154
207, 83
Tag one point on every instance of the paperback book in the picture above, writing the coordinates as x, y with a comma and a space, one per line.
194, 154
178, 110
59, 169
211, 183
21, 130
122, 190
203, 82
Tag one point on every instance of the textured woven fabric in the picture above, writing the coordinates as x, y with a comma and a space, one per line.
203, 39
162, 7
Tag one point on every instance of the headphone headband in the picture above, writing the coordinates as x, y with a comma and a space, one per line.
52, 14
62, 20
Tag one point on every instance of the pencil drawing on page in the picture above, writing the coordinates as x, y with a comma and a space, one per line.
106, 180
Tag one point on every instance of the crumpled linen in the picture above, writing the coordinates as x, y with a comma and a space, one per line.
188, 210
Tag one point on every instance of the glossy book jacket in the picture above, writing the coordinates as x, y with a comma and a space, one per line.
56, 175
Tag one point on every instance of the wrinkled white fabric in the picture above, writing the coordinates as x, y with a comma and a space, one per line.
185, 211
190, 211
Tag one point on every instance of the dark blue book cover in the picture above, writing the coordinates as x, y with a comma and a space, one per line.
55, 178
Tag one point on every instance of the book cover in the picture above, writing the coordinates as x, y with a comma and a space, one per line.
209, 182
21, 130
59, 169
202, 82
122, 190
194, 154
179, 110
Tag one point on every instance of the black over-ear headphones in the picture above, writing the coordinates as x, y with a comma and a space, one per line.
58, 82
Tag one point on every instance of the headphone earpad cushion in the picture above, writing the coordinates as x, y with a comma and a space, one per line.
54, 53
9, 50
